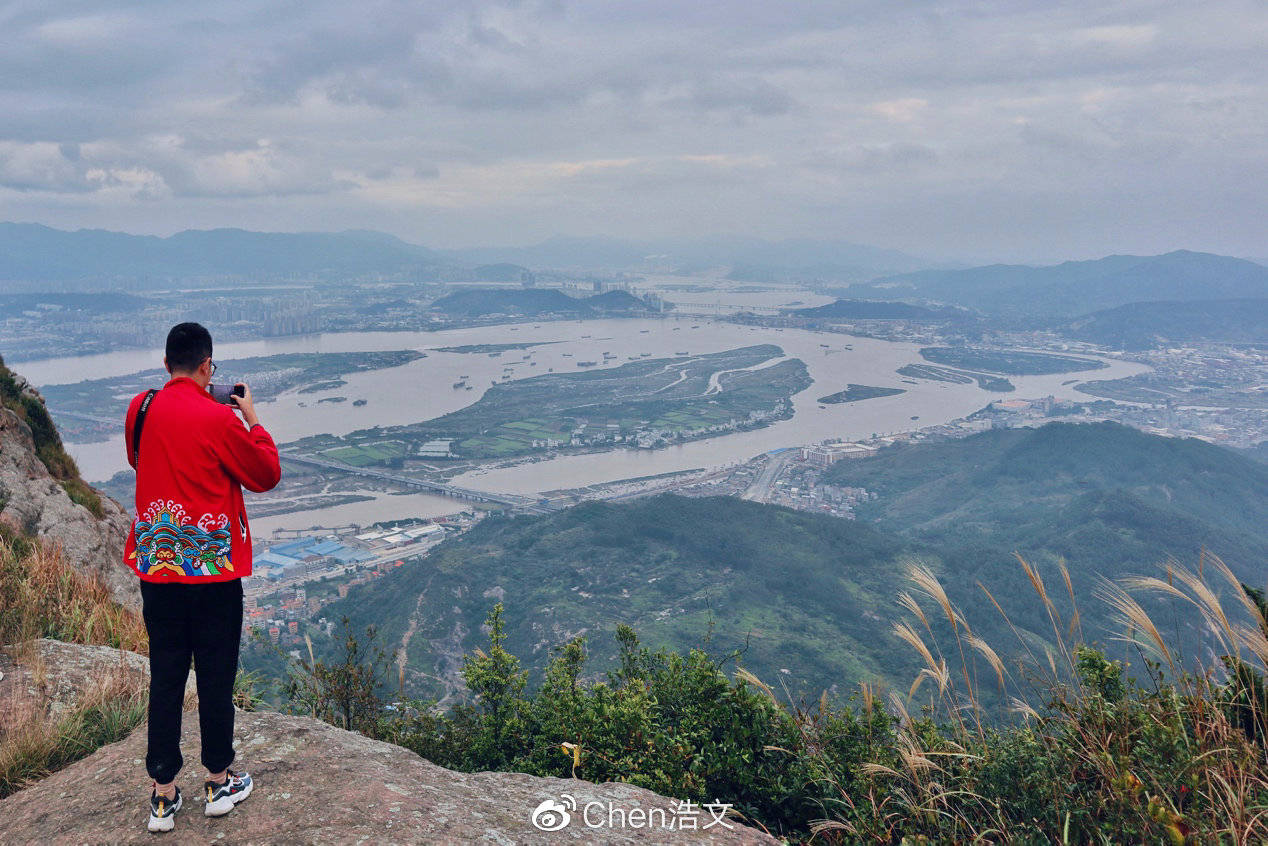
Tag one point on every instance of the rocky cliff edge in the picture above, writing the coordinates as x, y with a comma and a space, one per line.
319, 784
34, 503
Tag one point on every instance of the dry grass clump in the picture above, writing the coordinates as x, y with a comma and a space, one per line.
1172, 754
36, 740
41, 595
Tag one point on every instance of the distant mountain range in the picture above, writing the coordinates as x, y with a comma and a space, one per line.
1077, 288
1121, 301
748, 258
810, 598
30, 252
34, 253
534, 302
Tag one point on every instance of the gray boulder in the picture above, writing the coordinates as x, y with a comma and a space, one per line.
55, 676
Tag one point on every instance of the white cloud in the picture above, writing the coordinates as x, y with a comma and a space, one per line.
904, 110
473, 121
80, 31
1122, 35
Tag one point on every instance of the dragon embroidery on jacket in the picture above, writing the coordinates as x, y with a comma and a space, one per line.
166, 540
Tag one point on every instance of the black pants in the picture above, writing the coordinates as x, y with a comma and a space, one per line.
202, 622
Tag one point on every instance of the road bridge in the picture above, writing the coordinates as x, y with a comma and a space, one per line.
430, 486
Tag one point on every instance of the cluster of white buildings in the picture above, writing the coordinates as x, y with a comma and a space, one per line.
825, 455
384, 539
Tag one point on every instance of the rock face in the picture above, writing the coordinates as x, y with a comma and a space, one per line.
319, 784
55, 676
31, 501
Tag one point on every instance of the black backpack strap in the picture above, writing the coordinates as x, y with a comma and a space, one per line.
140, 421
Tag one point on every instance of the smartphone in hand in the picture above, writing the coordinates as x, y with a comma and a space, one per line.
223, 393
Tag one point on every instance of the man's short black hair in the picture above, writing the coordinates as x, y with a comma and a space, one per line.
188, 345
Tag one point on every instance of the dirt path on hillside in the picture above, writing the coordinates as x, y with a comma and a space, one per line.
402, 654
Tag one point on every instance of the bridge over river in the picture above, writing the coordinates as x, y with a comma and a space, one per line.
522, 503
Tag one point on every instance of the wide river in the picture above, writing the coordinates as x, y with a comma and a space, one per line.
423, 389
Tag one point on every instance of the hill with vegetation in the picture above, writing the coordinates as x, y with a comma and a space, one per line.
1106, 499
610, 302
521, 302
796, 592
502, 272
42, 494
1141, 326
1078, 287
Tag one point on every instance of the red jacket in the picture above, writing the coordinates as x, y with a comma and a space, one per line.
191, 523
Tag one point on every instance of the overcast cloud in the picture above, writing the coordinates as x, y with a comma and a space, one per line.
992, 130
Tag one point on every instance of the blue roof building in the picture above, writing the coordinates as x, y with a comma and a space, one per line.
271, 558
297, 548
329, 547
348, 555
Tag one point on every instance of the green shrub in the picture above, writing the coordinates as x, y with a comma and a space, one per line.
1166, 755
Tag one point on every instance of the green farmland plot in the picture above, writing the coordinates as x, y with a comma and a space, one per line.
682, 395
367, 454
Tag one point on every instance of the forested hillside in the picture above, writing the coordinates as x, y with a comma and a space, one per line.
1139, 326
797, 592
1107, 499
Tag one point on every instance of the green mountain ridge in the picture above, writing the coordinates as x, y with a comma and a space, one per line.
798, 592
1139, 326
1003, 471
1076, 288
1108, 500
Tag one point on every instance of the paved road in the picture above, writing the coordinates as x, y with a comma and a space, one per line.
760, 490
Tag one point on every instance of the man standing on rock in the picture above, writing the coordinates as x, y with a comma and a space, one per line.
191, 548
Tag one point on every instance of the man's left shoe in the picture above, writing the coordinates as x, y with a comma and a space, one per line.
222, 797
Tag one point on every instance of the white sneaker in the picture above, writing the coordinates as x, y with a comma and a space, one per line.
222, 797
163, 811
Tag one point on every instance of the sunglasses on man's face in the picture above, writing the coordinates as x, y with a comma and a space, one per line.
213, 367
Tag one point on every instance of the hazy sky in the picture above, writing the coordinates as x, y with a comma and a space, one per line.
1002, 130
